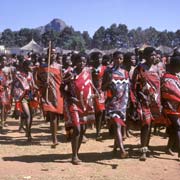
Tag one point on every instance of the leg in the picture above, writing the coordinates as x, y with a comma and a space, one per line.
155, 130
171, 140
53, 127
5, 115
1, 120
28, 119
2, 115
178, 137
75, 144
176, 126
82, 134
99, 117
21, 125
115, 146
124, 135
145, 138
119, 139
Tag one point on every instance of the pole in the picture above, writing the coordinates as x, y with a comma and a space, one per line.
49, 59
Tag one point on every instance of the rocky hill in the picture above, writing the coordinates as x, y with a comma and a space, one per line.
55, 24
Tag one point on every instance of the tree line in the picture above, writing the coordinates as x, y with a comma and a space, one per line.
115, 36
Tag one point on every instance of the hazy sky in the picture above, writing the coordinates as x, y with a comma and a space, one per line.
89, 15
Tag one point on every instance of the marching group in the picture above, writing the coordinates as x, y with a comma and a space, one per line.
119, 90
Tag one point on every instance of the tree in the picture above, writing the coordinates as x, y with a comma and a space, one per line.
76, 42
87, 39
36, 35
25, 35
163, 39
64, 36
177, 39
171, 37
49, 36
99, 38
7, 38
151, 36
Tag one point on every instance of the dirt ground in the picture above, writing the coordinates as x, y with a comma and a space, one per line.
19, 161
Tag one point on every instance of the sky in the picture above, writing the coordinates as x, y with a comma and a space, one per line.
89, 15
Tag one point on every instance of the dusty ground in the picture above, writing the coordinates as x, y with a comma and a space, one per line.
38, 161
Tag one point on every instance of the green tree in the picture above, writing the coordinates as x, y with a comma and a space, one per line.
122, 36
25, 35
177, 39
163, 39
75, 42
7, 38
87, 39
64, 36
49, 36
99, 38
151, 36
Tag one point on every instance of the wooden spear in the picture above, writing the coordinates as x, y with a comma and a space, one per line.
49, 60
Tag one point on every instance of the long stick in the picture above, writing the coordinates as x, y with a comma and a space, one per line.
49, 59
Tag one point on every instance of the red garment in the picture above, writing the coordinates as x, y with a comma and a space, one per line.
5, 98
170, 92
18, 106
97, 77
20, 86
80, 88
146, 97
54, 101
34, 104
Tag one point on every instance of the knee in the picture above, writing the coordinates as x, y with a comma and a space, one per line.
117, 126
76, 131
83, 129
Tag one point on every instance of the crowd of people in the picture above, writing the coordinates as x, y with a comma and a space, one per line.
118, 90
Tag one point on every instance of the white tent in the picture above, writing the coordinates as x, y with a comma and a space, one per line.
165, 49
32, 46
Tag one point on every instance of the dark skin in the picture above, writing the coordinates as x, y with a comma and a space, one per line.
54, 127
146, 129
117, 128
174, 134
79, 130
4, 109
53, 117
100, 115
128, 66
27, 118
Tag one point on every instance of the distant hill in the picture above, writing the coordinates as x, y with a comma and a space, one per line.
55, 24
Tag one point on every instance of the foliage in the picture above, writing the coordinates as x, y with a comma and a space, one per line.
115, 36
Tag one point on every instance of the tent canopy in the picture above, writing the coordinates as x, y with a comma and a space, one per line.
165, 49
32, 46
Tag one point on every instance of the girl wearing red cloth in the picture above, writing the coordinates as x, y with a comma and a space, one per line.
78, 103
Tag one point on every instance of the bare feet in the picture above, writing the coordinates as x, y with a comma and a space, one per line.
85, 139
76, 161
5, 124
53, 146
124, 155
99, 138
143, 157
170, 152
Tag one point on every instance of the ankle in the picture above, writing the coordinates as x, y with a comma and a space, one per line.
144, 149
